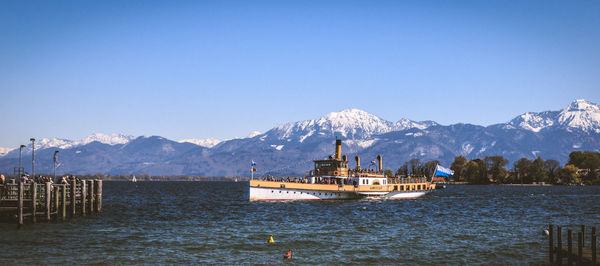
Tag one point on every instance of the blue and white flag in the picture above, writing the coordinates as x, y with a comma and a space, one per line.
443, 171
253, 163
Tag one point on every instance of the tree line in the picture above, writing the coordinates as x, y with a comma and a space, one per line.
582, 168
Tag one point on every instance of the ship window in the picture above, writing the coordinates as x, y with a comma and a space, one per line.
401, 187
294, 192
279, 191
271, 191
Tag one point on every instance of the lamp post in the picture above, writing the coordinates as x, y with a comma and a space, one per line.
55, 152
32, 158
21, 172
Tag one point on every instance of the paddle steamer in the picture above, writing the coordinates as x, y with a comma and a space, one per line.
332, 179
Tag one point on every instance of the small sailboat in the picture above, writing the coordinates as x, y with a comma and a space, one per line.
133, 179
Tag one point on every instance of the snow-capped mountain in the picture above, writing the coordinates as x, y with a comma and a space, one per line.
208, 143
289, 149
349, 123
534, 121
580, 114
46, 143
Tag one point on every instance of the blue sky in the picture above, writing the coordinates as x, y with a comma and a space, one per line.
221, 69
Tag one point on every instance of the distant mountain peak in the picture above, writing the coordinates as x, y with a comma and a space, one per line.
254, 134
581, 114
208, 143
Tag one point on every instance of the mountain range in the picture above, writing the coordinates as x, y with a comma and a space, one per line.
289, 149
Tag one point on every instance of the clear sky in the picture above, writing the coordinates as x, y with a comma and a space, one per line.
221, 69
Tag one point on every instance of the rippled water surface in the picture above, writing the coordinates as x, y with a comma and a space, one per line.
213, 222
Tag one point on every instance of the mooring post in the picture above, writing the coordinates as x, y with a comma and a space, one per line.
20, 204
83, 196
48, 199
56, 201
73, 197
570, 246
559, 244
593, 245
92, 195
583, 234
99, 195
579, 247
33, 201
64, 202
551, 242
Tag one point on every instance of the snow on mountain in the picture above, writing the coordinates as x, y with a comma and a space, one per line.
110, 139
404, 123
4, 151
349, 123
581, 114
534, 121
208, 143
254, 134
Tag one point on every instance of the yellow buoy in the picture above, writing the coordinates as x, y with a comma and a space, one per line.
271, 239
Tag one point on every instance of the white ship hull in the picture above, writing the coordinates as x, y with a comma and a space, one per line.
263, 193
260, 193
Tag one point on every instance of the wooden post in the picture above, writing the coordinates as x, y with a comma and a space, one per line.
48, 198
551, 243
83, 196
99, 196
64, 202
570, 246
593, 245
92, 196
56, 200
559, 247
583, 234
33, 201
20, 205
73, 197
579, 247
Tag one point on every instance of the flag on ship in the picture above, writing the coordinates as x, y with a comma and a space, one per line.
253, 163
443, 171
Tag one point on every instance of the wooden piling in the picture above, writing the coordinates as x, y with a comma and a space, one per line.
559, 242
593, 245
64, 202
579, 247
33, 201
56, 201
73, 197
20, 205
92, 196
83, 196
570, 246
99, 196
551, 243
583, 234
48, 196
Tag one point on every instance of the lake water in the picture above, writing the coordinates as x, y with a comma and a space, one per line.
214, 223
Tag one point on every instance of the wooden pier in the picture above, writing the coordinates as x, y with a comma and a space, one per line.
579, 254
34, 202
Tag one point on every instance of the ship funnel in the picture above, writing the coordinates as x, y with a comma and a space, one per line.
338, 149
380, 159
357, 162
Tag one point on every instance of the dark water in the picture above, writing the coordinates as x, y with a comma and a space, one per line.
212, 222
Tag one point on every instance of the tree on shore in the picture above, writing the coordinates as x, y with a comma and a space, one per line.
459, 166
